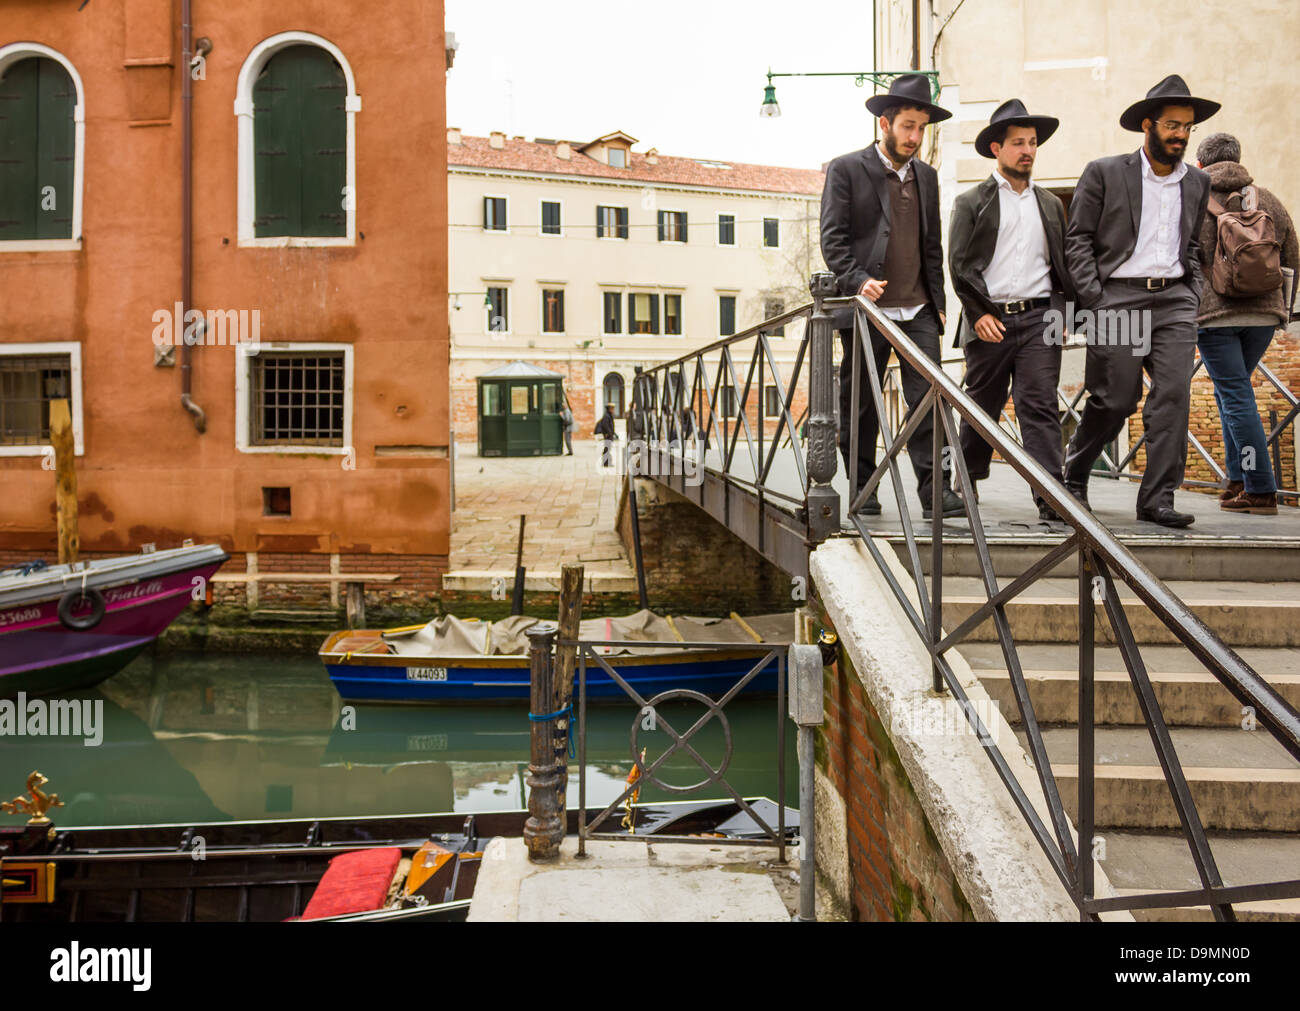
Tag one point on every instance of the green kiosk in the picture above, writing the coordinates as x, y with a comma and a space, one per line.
519, 411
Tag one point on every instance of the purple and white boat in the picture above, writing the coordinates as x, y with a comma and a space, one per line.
71, 626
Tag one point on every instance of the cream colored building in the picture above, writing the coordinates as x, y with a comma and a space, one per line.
590, 259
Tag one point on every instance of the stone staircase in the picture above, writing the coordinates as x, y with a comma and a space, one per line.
1246, 786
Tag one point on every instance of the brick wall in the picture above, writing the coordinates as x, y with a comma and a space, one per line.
897, 870
694, 564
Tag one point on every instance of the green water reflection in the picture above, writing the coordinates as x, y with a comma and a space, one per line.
190, 738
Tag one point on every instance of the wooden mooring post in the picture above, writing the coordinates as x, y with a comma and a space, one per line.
544, 829
65, 470
571, 580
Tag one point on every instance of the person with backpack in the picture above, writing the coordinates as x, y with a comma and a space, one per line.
567, 426
1247, 238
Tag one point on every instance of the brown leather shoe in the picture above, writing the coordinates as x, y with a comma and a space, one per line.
1233, 489
1259, 505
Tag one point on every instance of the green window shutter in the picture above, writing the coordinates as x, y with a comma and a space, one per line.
662, 216
55, 151
654, 313
300, 144
683, 227
37, 150
600, 222
622, 222
631, 312
18, 103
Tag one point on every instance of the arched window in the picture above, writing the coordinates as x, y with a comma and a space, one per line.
297, 171
613, 389
41, 146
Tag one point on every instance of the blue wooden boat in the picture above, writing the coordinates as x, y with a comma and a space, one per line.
452, 659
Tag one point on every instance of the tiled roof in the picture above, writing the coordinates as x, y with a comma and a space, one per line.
530, 156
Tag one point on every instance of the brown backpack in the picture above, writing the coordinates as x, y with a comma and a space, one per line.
1247, 255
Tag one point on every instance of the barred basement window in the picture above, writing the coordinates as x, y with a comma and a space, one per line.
300, 144
37, 150
27, 385
297, 399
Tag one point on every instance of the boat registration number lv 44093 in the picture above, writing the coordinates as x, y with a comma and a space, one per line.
426, 673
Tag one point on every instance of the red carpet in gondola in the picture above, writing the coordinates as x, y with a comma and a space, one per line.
354, 883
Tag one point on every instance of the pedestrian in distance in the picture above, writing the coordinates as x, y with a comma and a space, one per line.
1248, 243
1007, 259
1133, 252
567, 425
880, 236
605, 429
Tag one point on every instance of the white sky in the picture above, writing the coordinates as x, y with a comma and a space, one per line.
684, 77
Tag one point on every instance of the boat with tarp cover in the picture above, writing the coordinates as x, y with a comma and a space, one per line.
458, 659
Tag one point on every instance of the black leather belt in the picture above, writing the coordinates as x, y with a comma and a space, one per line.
1148, 283
1020, 305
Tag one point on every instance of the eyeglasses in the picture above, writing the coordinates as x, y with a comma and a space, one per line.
1172, 126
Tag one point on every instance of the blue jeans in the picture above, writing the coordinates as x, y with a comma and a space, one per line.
1230, 354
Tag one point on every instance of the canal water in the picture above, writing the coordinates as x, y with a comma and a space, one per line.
200, 737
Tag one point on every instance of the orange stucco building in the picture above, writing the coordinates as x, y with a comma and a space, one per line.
324, 421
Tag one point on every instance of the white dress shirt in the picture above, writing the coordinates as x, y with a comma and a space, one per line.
1160, 227
1020, 267
900, 314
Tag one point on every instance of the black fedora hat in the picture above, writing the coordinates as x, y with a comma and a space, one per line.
1172, 90
1012, 112
908, 89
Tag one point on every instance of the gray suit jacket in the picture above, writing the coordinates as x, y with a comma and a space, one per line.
1105, 212
973, 239
855, 221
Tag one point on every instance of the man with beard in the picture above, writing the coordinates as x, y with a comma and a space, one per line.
880, 236
1133, 245
1007, 256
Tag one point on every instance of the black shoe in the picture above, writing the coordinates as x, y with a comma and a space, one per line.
1046, 512
952, 505
1079, 491
871, 507
1166, 517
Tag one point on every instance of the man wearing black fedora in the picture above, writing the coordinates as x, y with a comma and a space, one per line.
1007, 257
1134, 254
880, 235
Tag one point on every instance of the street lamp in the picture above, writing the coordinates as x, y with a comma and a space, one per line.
769, 109
880, 78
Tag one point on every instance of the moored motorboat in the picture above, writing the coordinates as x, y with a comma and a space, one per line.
71, 626
453, 659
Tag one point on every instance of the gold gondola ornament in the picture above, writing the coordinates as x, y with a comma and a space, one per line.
38, 804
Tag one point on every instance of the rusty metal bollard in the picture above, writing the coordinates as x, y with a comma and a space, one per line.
544, 829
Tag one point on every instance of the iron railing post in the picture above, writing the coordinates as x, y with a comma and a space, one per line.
545, 826
823, 500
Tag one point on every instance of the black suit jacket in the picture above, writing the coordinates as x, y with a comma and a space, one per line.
855, 222
1105, 213
973, 239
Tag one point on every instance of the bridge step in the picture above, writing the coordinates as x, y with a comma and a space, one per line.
1242, 613
1139, 862
1241, 781
1188, 696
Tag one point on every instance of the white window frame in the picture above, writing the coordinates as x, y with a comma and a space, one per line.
73, 350
244, 353
561, 286
510, 297
762, 237
735, 230
247, 201
671, 210
495, 196
20, 51
541, 220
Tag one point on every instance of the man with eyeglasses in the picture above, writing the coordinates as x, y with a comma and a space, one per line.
1133, 252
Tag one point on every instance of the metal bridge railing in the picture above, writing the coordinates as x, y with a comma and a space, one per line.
689, 413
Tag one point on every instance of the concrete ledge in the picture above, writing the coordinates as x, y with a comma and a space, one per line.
483, 580
1002, 871
624, 882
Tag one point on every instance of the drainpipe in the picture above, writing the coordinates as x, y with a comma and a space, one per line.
187, 209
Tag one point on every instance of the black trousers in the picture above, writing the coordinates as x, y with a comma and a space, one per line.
1151, 332
1025, 364
924, 332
